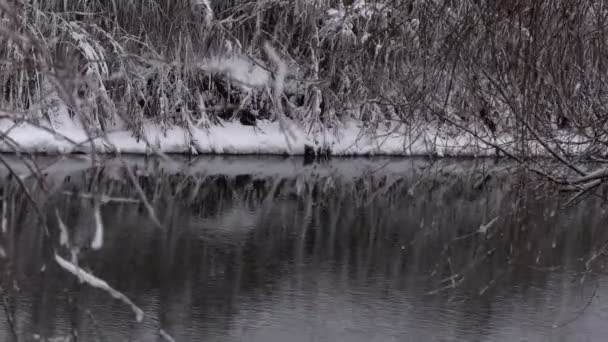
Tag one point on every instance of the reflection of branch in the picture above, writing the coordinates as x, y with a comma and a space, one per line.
141, 194
588, 263
95, 324
26, 192
581, 311
9, 317
165, 336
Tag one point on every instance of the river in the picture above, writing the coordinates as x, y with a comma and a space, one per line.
277, 249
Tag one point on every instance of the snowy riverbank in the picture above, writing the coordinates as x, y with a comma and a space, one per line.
67, 136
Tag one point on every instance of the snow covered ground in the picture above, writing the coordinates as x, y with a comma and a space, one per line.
231, 138
67, 136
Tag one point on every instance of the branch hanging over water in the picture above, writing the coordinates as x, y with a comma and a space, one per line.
100, 284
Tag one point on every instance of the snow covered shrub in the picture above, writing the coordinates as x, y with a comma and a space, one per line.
164, 61
485, 66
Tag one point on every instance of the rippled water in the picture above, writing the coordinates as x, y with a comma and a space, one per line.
271, 249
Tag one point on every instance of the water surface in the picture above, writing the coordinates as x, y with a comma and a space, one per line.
271, 249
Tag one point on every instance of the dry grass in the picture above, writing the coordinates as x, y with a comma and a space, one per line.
528, 68
138, 60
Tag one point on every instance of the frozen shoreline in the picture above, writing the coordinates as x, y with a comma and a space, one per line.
267, 138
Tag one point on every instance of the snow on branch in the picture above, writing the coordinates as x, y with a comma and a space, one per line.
281, 72
100, 284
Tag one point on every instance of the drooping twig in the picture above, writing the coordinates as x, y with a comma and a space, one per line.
142, 195
9, 317
98, 283
165, 336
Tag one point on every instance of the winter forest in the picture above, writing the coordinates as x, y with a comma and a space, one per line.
481, 126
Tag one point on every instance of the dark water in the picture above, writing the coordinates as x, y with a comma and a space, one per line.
268, 249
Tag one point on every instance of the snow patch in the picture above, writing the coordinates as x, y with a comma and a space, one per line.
240, 69
289, 138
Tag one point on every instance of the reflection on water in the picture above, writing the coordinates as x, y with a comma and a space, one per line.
271, 250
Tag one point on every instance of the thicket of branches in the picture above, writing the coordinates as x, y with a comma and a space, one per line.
528, 70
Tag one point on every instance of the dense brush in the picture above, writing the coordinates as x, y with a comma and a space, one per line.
489, 66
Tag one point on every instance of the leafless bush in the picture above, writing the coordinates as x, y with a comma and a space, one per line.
530, 72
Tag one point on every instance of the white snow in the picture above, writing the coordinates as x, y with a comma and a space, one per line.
281, 69
267, 138
238, 68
